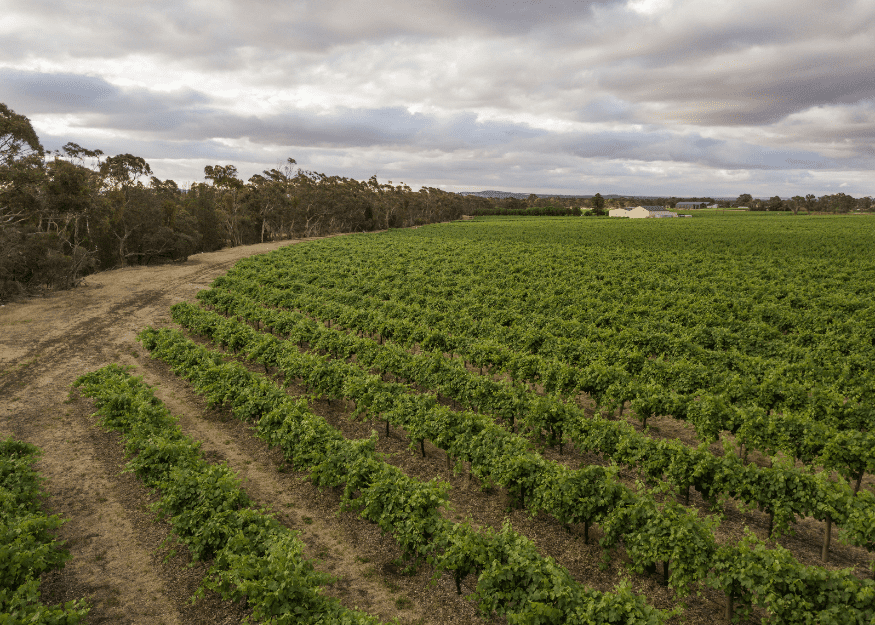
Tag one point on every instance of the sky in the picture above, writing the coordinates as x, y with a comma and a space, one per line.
634, 97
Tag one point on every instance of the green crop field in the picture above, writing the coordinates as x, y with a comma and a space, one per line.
534, 356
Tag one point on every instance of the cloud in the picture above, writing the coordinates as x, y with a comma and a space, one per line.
644, 92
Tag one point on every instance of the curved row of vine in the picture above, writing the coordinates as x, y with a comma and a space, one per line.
254, 557
512, 578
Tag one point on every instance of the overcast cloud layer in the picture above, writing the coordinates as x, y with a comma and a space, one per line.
683, 97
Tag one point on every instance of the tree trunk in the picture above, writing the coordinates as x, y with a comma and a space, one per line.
422, 446
687, 496
586, 532
387, 428
727, 612
665, 573
448, 461
859, 482
824, 553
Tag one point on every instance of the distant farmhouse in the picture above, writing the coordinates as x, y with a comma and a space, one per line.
691, 205
642, 212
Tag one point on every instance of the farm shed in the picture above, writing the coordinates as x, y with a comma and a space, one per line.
645, 212
689, 205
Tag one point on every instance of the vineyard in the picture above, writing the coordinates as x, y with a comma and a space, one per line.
554, 420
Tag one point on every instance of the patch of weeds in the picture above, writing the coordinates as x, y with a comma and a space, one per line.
403, 603
135, 353
100, 556
369, 572
247, 462
15, 323
391, 586
227, 442
362, 559
101, 499
307, 520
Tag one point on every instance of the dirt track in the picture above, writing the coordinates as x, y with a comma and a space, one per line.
45, 344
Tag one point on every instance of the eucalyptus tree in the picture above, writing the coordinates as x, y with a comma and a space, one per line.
598, 204
230, 198
273, 199
21, 167
125, 200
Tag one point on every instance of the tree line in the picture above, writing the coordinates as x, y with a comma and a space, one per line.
838, 203
74, 211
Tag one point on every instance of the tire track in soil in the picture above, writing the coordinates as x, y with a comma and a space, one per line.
45, 344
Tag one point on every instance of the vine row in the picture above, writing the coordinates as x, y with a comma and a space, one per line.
512, 578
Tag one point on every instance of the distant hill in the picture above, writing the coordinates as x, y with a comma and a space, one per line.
502, 195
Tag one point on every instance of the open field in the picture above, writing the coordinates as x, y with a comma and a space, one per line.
767, 320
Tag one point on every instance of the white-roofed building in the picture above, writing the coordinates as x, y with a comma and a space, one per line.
646, 212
